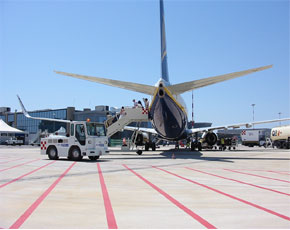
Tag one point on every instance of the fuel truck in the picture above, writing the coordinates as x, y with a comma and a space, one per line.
280, 137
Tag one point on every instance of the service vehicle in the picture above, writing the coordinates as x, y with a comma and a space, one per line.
83, 139
253, 138
280, 137
226, 143
14, 141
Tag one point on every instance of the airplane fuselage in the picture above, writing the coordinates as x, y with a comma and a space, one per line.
168, 113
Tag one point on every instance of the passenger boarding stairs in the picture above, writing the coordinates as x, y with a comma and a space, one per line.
119, 121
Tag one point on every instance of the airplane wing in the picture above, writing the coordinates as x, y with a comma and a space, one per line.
38, 118
187, 86
141, 88
147, 130
234, 126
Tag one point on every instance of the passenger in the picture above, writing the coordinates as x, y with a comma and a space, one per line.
146, 103
122, 112
115, 118
135, 104
139, 104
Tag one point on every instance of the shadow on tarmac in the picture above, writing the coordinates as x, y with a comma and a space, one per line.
196, 156
186, 154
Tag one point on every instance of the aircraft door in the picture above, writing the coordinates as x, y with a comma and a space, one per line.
80, 134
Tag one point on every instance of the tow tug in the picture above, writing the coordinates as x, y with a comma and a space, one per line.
83, 138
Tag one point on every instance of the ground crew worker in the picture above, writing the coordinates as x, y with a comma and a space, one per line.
146, 102
223, 143
124, 142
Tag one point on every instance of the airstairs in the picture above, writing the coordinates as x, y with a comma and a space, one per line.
129, 115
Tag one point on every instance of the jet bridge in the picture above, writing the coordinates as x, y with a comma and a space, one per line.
129, 115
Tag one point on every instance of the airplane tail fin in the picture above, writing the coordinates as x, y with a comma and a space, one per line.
164, 66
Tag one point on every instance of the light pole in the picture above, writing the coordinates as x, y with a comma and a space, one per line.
279, 118
253, 113
53, 122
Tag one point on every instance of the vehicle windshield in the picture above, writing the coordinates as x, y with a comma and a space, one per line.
95, 129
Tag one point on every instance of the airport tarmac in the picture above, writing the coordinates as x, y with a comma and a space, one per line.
245, 188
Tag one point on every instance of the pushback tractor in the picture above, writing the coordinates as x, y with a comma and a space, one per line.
81, 139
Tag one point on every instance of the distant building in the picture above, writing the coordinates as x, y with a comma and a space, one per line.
19, 121
99, 114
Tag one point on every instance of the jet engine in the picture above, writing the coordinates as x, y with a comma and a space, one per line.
143, 138
209, 138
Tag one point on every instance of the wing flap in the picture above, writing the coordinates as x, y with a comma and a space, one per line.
141, 88
187, 86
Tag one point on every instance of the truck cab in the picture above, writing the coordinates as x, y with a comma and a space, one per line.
82, 139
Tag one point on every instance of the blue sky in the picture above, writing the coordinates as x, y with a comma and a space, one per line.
121, 40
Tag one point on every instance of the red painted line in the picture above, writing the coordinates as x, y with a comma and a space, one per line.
250, 174
11, 160
238, 181
32, 208
18, 165
228, 195
284, 173
112, 224
174, 201
259, 170
18, 178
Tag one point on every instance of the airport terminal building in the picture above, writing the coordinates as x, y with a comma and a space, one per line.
19, 121
33, 127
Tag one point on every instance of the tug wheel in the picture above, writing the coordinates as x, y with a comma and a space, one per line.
52, 153
75, 154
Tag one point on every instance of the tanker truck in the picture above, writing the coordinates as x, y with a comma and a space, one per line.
280, 137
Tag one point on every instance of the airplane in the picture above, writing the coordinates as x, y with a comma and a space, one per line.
167, 110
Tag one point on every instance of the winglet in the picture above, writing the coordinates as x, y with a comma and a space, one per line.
23, 108
38, 118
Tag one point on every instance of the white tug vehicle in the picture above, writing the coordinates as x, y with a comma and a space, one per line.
81, 139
